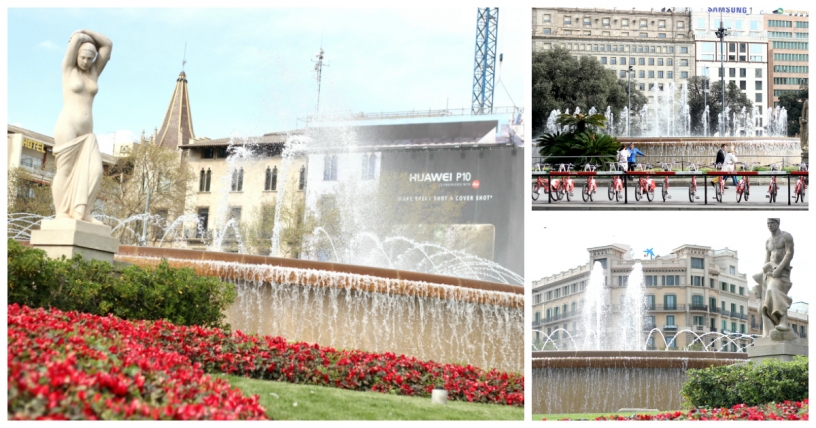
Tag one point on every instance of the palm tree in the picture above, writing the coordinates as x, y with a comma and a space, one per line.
580, 122
582, 144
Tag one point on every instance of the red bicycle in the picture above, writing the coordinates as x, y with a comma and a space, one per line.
541, 182
772, 187
801, 184
744, 185
616, 185
667, 166
693, 184
645, 185
564, 186
588, 193
719, 186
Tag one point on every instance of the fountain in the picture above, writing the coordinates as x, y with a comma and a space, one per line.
611, 360
665, 133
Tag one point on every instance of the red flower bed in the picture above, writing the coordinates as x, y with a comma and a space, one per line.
785, 411
171, 359
77, 366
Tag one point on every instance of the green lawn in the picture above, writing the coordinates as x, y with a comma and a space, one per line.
589, 416
284, 401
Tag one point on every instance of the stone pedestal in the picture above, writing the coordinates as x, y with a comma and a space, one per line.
765, 347
66, 237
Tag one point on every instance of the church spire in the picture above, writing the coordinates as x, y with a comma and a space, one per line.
177, 127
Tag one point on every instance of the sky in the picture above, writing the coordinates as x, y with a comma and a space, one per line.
553, 245
251, 71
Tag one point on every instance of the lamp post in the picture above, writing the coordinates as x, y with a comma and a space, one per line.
705, 93
721, 33
629, 116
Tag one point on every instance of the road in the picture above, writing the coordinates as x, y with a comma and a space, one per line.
679, 199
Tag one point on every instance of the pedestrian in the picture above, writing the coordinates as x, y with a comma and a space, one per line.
730, 164
720, 160
633, 152
623, 158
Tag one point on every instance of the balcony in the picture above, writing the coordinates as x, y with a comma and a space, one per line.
697, 307
698, 328
670, 327
648, 326
715, 310
803, 335
754, 326
713, 329
743, 317
680, 307
726, 313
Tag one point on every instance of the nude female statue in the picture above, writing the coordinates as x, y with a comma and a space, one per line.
79, 164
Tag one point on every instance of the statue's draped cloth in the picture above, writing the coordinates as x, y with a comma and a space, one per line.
81, 157
775, 300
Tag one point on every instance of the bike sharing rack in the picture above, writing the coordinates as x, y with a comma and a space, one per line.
670, 173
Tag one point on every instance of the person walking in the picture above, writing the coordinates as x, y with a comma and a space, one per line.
633, 152
730, 164
623, 158
719, 161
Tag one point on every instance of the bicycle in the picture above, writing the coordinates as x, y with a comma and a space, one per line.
801, 184
541, 183
773, 188
693, 184
590, 186
744, 185
667, 166
645, 185
719, 187
616, 185
566, 186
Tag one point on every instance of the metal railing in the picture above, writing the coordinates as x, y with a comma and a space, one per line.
683, 161
694, 307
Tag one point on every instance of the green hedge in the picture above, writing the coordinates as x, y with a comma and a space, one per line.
750, 383
100, 288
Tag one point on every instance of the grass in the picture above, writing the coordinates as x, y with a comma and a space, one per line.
588, 416
308, 402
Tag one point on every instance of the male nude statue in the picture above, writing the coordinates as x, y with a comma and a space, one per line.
773, 283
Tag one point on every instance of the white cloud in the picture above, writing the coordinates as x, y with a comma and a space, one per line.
106, 141
48, 45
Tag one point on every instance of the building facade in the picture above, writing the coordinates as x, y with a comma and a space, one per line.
788, 32
744, 52
693, 288
657, 45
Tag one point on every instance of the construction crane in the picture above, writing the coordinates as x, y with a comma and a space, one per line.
484, 64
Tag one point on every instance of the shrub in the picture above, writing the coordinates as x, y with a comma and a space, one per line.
750, 383
100, 288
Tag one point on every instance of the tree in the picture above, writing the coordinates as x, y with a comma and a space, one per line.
29, 191
582, 144
148, 168
793, 102
698, 98
561, 82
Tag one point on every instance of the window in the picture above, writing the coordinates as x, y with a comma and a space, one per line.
650, 301
670, 301
684, 74
631, 61
624, 22
670, 320
669, 75
669, 62
651, 74
613, 61
683, 49
208, 153
567, 20
545, 19
698, 320
742, 85
644, 35
754, 25
587, 21
557, 294
697, 263
733, 288
743, 72
271, 181
732, 72
203, 218
742, 291
642, 86
684, 63
605, 22
574, 288
623, 59
742, 328
602, 262
537, 317
623, 74
758, 97
603, 60
680, 24
547, 31
697, 280
701, 23
238, 180
651, 61
202, 181
641, 74
302, 178
711, 283
659, 74
330, 168
661, 35
641, 61
643, 23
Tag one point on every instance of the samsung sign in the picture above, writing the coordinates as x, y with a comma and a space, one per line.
729, 9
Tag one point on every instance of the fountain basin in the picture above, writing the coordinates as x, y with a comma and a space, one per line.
607, 381
703, 150
431, 317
